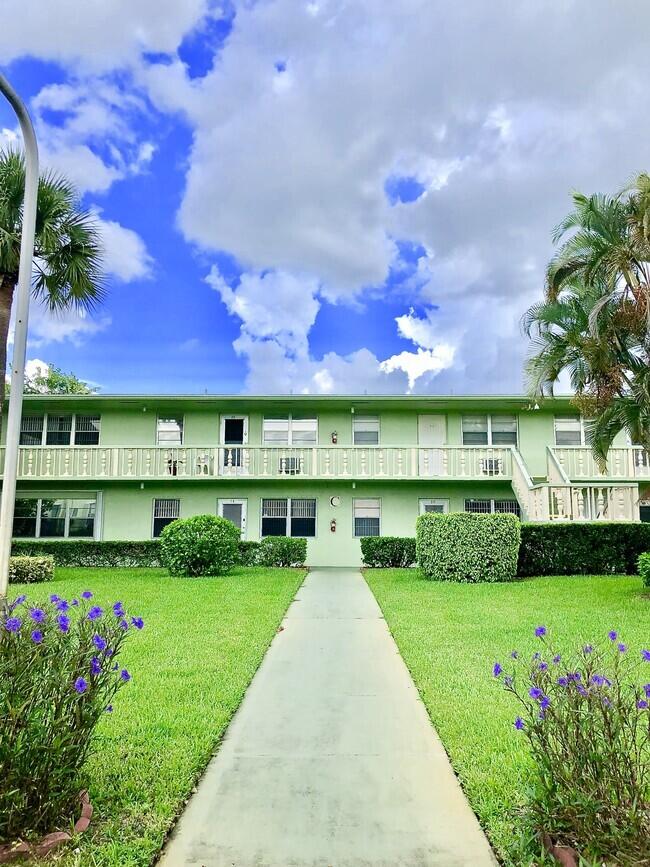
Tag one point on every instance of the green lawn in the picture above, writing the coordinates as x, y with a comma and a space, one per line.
450, 635
203, 641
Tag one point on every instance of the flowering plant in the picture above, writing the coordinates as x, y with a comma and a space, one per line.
587, 720
58, 675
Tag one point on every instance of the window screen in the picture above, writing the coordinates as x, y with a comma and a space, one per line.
59, 430
274, 517
170, 432
365, 430
276, 431
304, 431
86, 430
475, 430
478, 506
510, 507
367, 515
303, 518
164, 512
568, 431
31, 430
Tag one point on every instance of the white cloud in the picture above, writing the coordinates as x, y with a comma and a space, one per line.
74, 326
125, 253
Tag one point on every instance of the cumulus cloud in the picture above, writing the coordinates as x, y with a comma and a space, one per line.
125, 253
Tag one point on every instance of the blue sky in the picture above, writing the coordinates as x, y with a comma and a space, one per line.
322, 196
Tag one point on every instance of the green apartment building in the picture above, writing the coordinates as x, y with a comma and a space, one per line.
331, 469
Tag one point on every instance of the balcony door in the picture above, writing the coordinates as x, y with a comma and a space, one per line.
234, 435
432, 434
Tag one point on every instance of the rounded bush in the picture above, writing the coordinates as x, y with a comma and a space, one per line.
202, 545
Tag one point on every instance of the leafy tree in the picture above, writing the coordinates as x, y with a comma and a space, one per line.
67, 255
52, 380
594, 322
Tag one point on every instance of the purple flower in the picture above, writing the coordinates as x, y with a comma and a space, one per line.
622, 647
138, 622
62, 605
123, 623
17, 601
646, 689
95, 613
118, 609
75, 602
95, 665
588, 648
64, 622
612, 635
13, 624
37, 615
54, 598
519, 724
540, 632
563, 681
575, 676
642, 704
645, 655
599, 680
37, 636
108, 708
86, 594
544, 702
124, 675
81, 685
497, 670
557, 659
514, 654
583, 692
535, 692
508, 681
537, 655
543, 666
99, 642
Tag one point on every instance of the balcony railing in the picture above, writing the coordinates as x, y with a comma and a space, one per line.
622, 463
263, 462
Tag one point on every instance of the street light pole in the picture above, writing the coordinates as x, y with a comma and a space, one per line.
23, 293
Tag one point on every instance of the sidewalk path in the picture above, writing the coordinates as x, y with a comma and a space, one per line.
331, 760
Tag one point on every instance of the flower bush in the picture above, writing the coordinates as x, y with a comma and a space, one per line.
202, 545
58, 675
587, 720
31, 570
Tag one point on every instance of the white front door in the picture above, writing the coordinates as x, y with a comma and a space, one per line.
233, 435
432, 432
235, 511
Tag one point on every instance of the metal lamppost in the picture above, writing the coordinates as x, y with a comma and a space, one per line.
23, 293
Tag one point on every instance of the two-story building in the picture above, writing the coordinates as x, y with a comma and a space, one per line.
331, 469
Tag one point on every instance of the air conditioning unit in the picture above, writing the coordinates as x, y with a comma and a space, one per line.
492, 467
291, 466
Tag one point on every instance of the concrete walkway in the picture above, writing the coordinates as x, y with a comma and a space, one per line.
331, 760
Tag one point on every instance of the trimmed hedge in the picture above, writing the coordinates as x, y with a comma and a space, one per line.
30, 570
200, 545
84, 552
582, 548
644, 568
282, 551
385, 552
249, 553
467, 547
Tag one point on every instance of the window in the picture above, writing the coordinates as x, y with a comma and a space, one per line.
569, 431
31, 430
487, 507
365, 430
86, 430
290, 431
489, 430
440, 506
367, 517
55, 518
169, 432
292, 517
60, 430
164, 512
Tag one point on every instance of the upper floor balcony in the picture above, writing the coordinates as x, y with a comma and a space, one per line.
578, 462
262, 462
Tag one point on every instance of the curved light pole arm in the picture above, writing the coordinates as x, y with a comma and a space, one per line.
23, 293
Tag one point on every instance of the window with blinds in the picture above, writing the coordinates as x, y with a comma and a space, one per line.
569, 430
489, 430
290, 431
367, 517
169, 432
164, 512
475, 430
365, 430
503, 430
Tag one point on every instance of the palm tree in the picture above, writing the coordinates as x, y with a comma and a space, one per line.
67, 254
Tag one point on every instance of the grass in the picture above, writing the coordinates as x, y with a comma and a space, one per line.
450, 635
203, 640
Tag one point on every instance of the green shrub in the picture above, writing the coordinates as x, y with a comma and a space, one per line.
282, 551
201, 545
468, 547
644, 568
249, 553
384, 552
86, 552
30, 570
582, 548
58, 675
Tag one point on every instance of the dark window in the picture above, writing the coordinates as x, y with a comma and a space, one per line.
59, 430
86, 430
25, 514
81, 518
478, 506
645, 514
164, 512
53, 518
233, 431
31, 430
274, 517
510, 507
303, 518
475, 430
367, 515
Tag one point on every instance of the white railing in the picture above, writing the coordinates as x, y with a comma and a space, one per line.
622, 463
157, 462
592, 502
